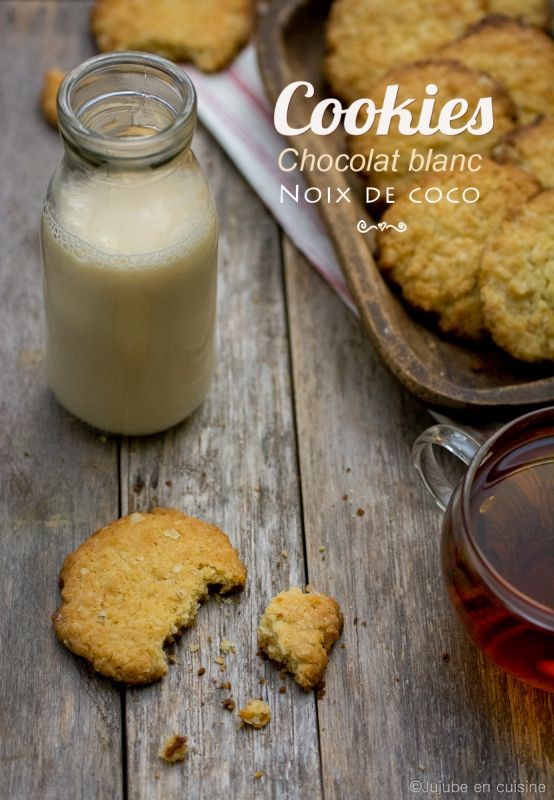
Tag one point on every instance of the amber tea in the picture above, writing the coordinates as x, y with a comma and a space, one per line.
500, 570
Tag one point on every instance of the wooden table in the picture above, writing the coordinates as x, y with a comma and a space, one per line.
302, 454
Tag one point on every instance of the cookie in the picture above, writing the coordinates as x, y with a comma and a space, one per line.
517, 281
256, 713
519, 56
436, 260
174, 749
49, 94
530, 147
298, 630
209, 33
454, 81
366, 38
534, 12
135, 583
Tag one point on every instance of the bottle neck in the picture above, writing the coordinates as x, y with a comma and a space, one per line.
127, 110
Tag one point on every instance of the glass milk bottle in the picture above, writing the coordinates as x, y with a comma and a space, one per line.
129, 248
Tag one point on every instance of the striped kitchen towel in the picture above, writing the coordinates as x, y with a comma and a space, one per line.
234, 108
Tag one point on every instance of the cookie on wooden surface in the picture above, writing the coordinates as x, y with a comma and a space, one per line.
454, 80
530, 147
534, 12
256, 713
49, 94
519, 56
297, 630
436, 260
209, 33
517, 281
366, 38
135, 583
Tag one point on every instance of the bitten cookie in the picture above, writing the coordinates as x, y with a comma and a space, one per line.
436, 260
453, 80
209, 33
519, 56
49, 94
298, 630
530, 147
135, 583
366, 38
534, 12
517, 281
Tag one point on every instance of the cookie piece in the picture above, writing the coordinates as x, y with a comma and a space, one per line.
454, 80
135, 583
297, 630
256, 713
517, 281
534, 12
436, 260
174, 749
366, 38
519, 56
209, 33
530, 147
49, 94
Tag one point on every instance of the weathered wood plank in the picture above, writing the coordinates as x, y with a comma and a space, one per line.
410, 698
60, 731
233, 463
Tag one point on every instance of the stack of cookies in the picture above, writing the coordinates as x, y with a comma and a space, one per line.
485, 267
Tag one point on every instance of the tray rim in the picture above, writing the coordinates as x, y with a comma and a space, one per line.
362, 275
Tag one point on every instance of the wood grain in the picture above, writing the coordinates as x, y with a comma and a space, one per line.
233, 463
60, 732
413, 697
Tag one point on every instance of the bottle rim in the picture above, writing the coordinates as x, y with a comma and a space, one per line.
160, 146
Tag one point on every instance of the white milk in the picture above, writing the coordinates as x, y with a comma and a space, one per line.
130, 289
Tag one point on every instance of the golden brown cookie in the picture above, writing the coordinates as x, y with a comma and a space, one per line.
517, 281
49, 94
174, 749
366, 38
209, 33
135, 583
255, 713
436, 260
297, 630
534, 12
519, 56
454, 80
530, 147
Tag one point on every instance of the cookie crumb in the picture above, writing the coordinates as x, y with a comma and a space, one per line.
228, 704
360, 512
201, 671
225, 685
257, 775
255, 713
285, 553
157, 776
194, 648
282, 689
225, 646
174, 749
262, 681
220, 661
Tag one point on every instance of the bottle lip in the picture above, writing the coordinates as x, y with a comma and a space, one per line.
100, 147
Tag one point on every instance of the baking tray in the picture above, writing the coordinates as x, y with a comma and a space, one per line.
442, 372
